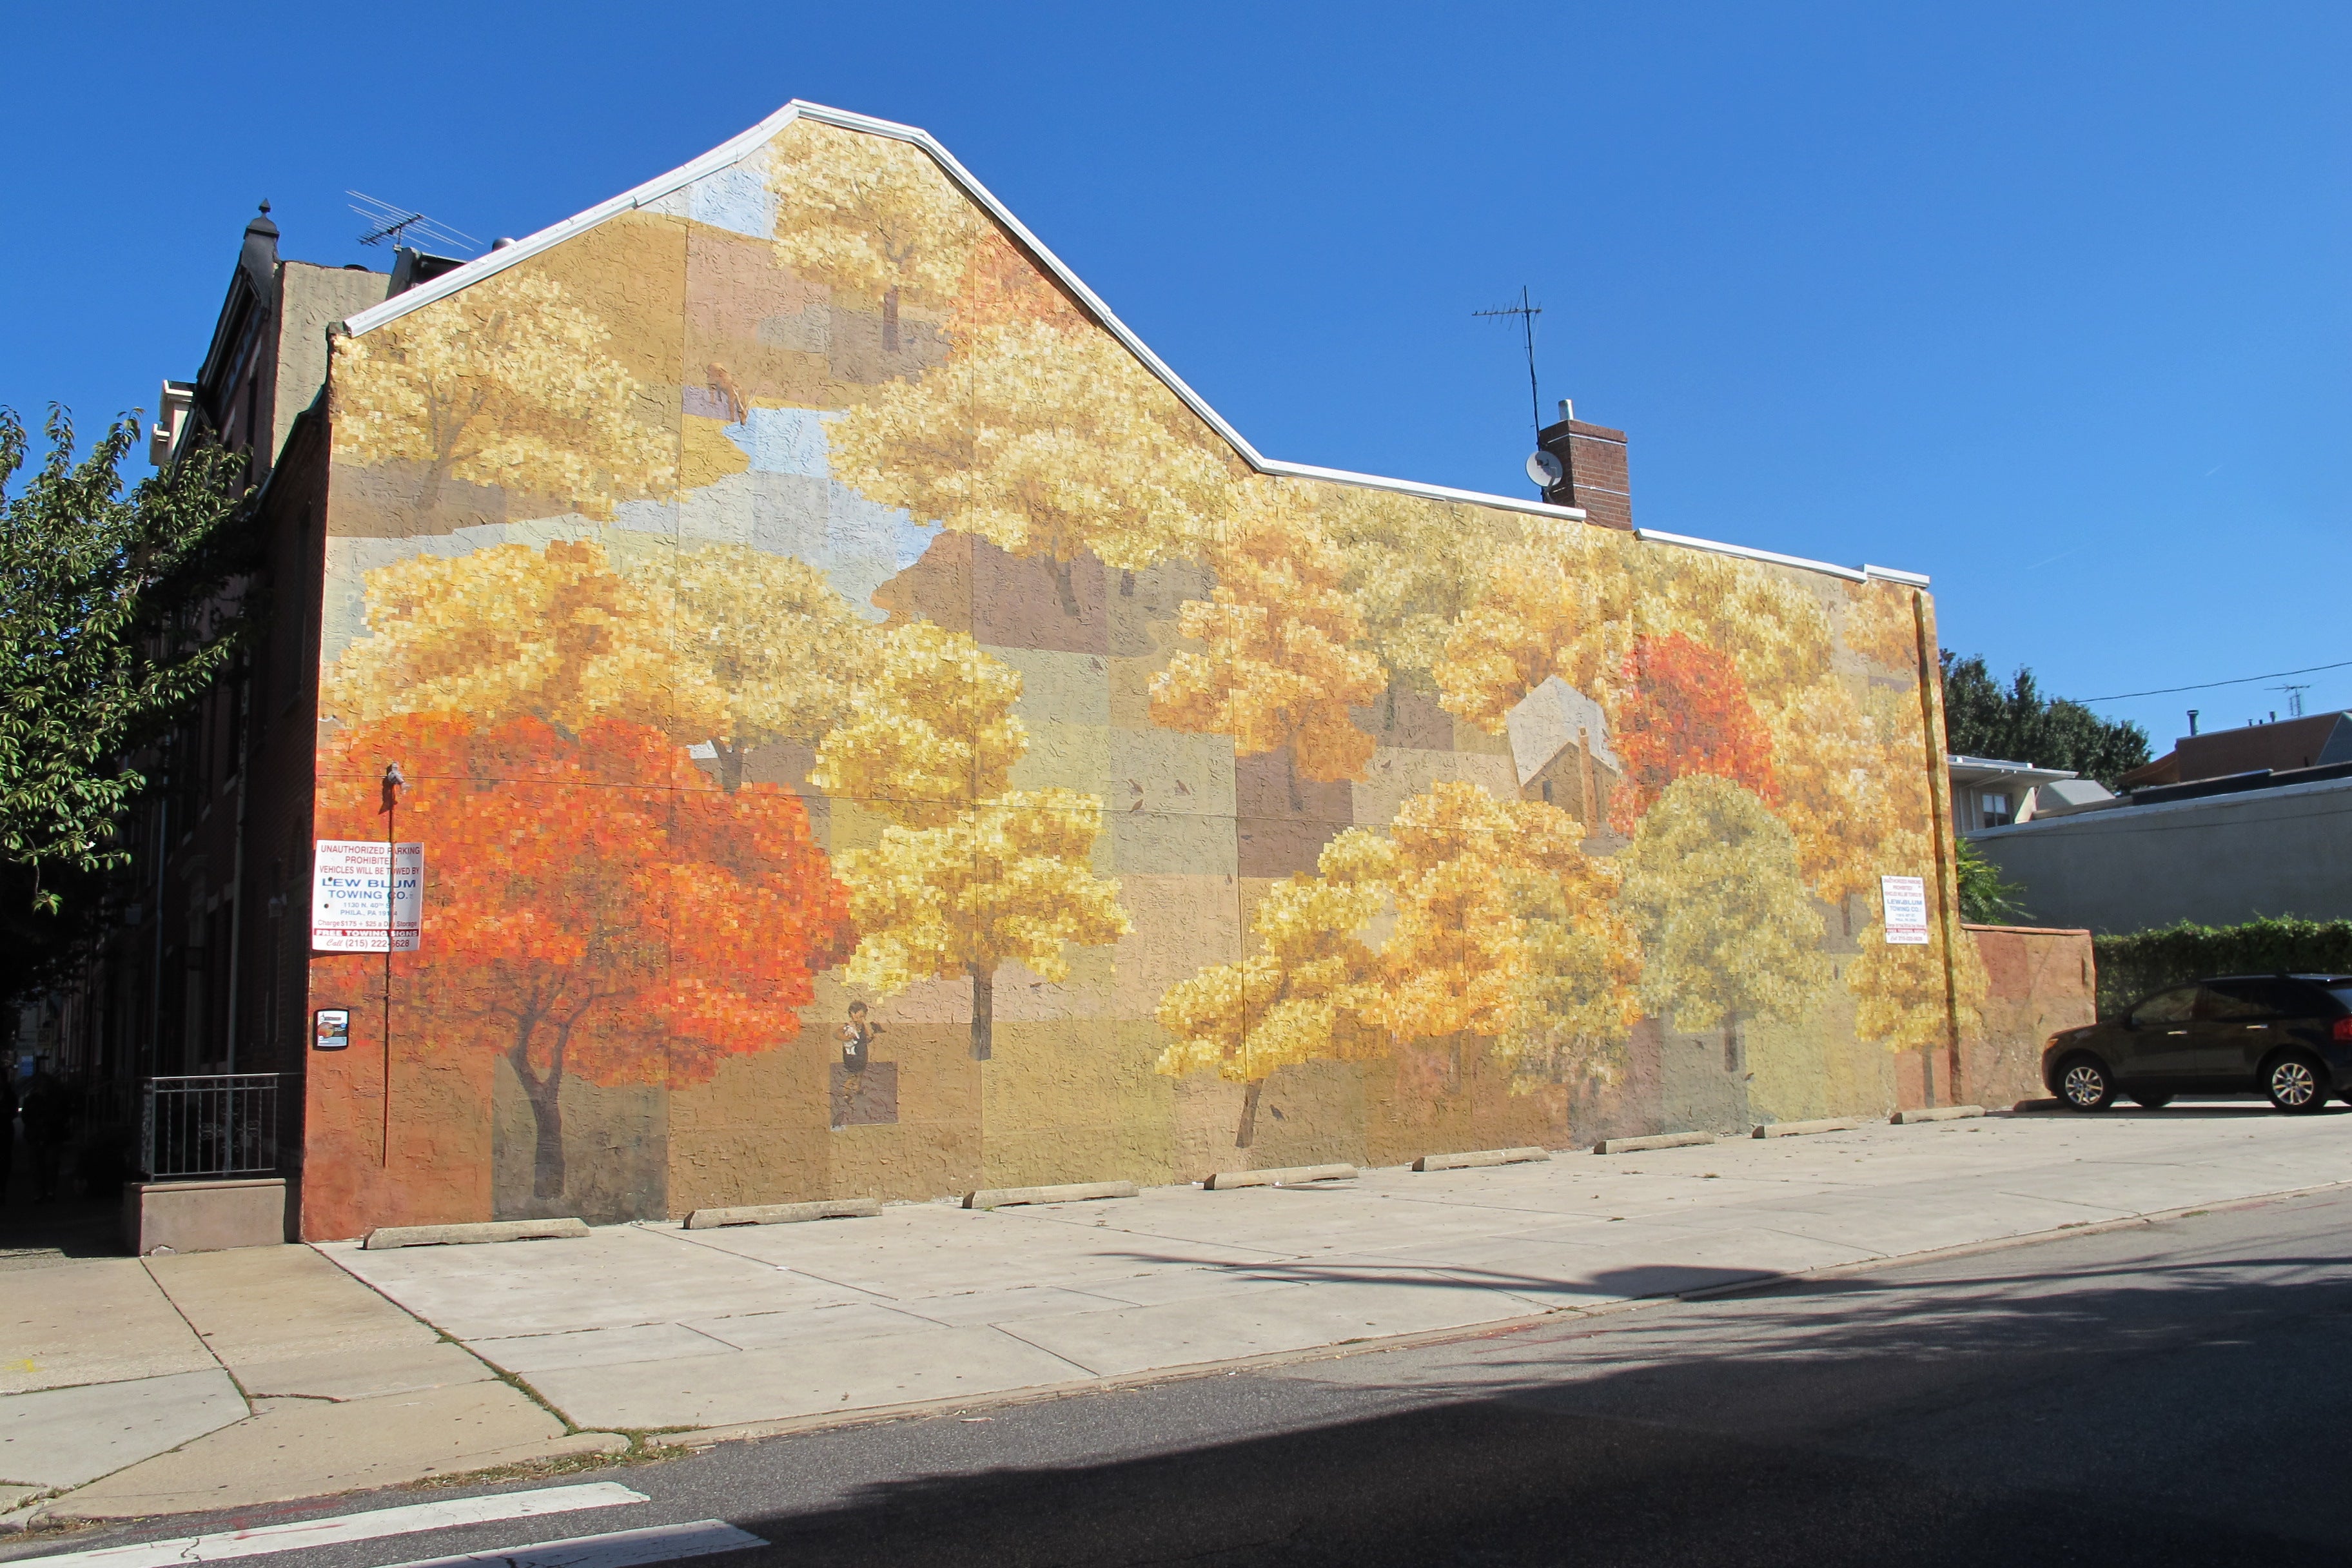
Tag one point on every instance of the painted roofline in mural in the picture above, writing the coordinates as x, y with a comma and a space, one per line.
734, 150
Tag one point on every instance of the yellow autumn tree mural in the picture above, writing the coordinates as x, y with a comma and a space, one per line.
723, 645
1767, 746
1881, 627
1301, 996
1502, 930
871, 214
1558, 602
1713, 890
554, 632
507, 383
1829, 763
1771, 624
1414, 568
1048, 443
1903, 995
969, 876
1278, 666
782, 648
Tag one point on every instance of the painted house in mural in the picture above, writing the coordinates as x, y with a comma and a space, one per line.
872, 730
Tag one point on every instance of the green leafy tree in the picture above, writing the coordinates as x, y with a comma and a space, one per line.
110, 626
2019, 724
1985, 898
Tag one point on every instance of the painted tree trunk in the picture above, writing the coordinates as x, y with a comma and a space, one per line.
1731, 1042
983, 1012
890, 320
545, 1092
731, 765
1247, 1132
1063, 586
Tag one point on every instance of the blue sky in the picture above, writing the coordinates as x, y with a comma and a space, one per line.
2048, 302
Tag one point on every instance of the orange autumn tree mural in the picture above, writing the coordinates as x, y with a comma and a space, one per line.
634, 934
1685, 711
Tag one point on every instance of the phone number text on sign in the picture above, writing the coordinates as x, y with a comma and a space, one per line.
367, 897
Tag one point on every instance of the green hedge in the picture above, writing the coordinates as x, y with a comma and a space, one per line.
2132, 967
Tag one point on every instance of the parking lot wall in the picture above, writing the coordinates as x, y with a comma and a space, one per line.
2038, 981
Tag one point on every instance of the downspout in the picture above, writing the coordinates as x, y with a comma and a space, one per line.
237, 861
155, 980
1939, 812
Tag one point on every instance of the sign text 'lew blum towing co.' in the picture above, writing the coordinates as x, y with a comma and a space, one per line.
1905, 898
367, 897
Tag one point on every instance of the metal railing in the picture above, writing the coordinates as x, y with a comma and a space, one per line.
222, 1124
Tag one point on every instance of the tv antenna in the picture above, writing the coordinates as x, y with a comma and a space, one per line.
387, 222
2293, 698
1527, 312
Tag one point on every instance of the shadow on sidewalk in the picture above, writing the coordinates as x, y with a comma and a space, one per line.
2119, 1413
71, 1226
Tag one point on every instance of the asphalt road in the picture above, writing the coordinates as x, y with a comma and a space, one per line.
2171, 1394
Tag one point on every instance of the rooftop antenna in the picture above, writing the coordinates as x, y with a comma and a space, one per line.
387, 222
1527, 312
2293, 698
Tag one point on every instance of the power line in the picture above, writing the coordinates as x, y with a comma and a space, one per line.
2207, 686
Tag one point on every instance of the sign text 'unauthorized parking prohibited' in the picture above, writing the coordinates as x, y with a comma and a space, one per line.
367, 897
1905, 898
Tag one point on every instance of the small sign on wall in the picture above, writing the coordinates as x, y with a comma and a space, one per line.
366, 896
333, 1030
1906, 899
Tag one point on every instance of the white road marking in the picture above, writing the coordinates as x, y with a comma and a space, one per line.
269, 1538
622, 1549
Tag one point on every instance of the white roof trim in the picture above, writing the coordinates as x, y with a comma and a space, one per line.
736, 148
1851, 574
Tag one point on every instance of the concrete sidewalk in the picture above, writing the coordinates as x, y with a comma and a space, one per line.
240, 1377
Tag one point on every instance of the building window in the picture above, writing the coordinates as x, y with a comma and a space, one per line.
1997, 813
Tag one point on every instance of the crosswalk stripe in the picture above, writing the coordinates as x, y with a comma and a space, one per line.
267, 1538
622, 1549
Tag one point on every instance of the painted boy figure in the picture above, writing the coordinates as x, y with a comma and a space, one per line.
857, 1038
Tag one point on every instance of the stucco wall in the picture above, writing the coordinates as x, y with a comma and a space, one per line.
2037, 981
2220, 860
794, 613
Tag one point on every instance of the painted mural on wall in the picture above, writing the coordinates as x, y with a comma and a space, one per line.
870, 736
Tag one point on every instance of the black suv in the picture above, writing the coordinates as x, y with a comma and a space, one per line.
2287, 1035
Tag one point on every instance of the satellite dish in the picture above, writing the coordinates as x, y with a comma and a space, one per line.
1544, 469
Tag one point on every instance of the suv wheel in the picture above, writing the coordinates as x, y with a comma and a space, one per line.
2296, 1082
2083, 1084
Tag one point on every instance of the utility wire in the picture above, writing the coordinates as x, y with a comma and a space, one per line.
2207, 686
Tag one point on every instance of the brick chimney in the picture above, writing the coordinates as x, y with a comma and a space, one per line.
1596, 477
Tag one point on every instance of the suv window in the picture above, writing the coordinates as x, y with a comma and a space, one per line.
2253, 999
2175, 1006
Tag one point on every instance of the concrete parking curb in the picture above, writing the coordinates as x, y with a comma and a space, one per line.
1280, 1176
467, 1235
1480, 1157
1069, 1192
1654, 1140
785, 1214
1937, 1113
1805, 1129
